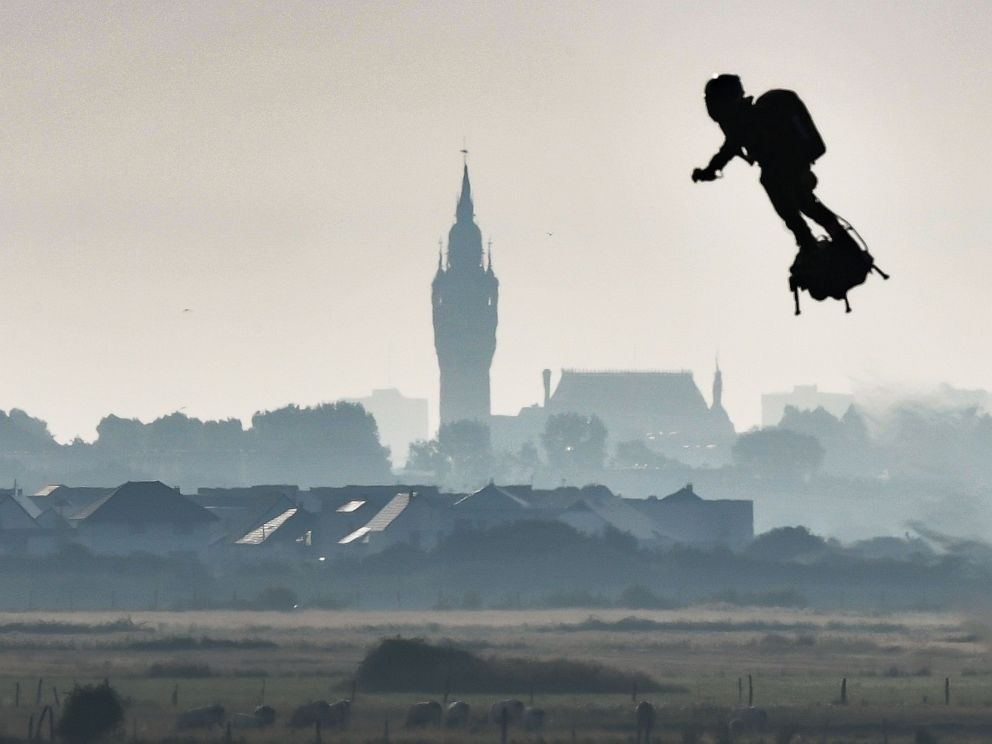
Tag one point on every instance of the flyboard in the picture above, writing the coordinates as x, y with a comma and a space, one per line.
832, 268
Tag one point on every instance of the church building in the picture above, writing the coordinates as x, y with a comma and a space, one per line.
464, 296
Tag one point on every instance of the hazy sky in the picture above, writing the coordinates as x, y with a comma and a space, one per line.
284, 170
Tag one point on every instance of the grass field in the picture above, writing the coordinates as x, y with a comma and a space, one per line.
895, 666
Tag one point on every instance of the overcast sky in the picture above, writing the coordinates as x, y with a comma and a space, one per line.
284, 171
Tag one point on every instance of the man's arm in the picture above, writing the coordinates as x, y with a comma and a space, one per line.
718, 162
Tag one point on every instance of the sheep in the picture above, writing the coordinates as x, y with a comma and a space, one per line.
423, 714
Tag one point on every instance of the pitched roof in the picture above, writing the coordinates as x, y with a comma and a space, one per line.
634, 403
144, 502
381, 520
492, 497
294, 520
684, 494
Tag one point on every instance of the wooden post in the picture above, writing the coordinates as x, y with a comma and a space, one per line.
228, 738
385, 732
843, 691
17, 694
504, 722
316, 727
55, 696
175, 695
947, 690
740, 690
750, 691
37, 695
31, 728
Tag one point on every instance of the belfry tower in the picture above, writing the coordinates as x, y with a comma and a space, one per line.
464, 294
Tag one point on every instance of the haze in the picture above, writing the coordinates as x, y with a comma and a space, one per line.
284, 171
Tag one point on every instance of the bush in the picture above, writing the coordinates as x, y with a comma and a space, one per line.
90, 713
414, 665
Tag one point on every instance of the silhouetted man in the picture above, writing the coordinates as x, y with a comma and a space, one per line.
776, 132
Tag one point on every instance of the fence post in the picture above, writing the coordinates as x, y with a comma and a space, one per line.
843, 691
37, 695
740, 690
31, 728
385, 732
317, 732
504, 721
750, 691
17, 694
947, 690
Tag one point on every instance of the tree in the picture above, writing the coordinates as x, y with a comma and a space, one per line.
635, 454
467, 447
574, 443
425, 456
90, 713
775, 452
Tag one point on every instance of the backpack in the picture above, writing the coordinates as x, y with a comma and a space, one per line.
789, 127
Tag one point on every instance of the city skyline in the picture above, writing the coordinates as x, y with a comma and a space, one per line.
221, 209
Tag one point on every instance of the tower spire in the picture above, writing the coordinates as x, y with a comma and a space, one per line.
465, 211
489, 255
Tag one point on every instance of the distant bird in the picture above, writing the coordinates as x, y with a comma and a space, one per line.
187, 310
549, 234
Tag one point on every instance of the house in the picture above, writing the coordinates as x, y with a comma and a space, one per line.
686, 518
143, 517
20, 533
342, 510
287, 534
489, 506
409, 517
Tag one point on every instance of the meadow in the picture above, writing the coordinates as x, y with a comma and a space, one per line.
895, 666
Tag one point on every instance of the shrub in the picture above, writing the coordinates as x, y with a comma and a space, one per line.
90, 713
414, 665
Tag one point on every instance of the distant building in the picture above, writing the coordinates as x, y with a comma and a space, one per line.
665, 410
803, 398
401, 420
464, 296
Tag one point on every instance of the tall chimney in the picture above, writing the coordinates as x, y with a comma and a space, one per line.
546, 377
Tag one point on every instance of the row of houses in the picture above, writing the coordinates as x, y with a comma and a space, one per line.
288, 523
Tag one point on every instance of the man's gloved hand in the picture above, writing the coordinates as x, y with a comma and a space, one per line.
703, 174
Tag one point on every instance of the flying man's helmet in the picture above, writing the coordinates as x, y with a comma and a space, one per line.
723, 94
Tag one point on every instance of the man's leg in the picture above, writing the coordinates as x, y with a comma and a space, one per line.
819, 212
783, 196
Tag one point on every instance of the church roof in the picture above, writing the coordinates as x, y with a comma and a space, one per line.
639, 403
